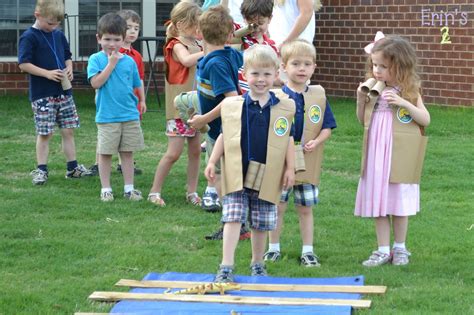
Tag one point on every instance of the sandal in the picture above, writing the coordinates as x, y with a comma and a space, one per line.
193, 198
155, 198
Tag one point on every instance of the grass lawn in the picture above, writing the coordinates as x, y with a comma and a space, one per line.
59, 242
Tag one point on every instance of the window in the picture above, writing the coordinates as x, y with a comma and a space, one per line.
163, 10
15, 17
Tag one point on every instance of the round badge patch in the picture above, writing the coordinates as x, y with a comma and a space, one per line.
404, 116
314, 114
281, 126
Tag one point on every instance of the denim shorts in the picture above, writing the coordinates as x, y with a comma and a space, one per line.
52, 110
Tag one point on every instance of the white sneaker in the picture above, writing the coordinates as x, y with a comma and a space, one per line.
39, 176
377, 259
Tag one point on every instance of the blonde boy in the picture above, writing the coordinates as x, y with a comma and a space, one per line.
264, 148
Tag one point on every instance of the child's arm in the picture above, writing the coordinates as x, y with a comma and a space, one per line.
100, 78
69, 70
216, 154
361, 101
182, 55
53, 75
312, 144
289, 174
306, 13
198, 121
142, 98
418, 112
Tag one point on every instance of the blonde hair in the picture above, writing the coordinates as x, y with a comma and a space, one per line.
297, 47
216, 25
187, 13
50, 9
403, 64
317, 5
260, 56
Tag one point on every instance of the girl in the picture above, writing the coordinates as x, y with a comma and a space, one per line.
181, 53
393, 146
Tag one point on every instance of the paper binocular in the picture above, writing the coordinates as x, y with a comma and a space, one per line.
254, 177
187, 105
373, 87
299, 159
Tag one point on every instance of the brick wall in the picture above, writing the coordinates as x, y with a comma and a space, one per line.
344, 27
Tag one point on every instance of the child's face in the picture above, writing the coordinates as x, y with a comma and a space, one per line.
110, 42
381, 68
299, 69
46, 24
133, 29
261, 25
260, 79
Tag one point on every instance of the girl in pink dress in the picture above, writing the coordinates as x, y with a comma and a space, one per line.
391, 60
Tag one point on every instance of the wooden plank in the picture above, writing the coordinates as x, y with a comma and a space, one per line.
233, 299
260, 287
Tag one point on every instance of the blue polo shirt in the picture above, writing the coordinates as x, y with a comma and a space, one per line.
298, 123
41, 49
216, 74
254, 135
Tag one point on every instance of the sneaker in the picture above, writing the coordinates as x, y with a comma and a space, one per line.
94, 170
272, 256
203, 147
400, 256
258, 269
136, 170
244, 233
225, 274
216, 235
377, 259
309, 260
210, 202
78, 172
134, 195
39, 176
107, 196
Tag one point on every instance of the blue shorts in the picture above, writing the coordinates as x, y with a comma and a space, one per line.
53, 110
238, 205
305, 195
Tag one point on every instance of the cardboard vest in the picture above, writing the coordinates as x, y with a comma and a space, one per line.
314, 108
173, 90
408, 144
281, 116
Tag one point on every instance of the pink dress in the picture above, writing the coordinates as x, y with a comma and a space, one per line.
376, 197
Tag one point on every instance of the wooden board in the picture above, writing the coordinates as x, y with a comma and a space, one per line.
260, 287
118, 296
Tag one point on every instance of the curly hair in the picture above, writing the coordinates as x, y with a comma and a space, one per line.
185, 12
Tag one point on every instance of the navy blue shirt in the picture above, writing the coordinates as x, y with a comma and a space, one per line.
298, 122
36, 47
216, 74
254, 135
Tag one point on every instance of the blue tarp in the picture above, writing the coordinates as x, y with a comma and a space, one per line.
185, 308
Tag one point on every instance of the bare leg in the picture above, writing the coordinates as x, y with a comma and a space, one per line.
274, 236
400, 228
194, 159
69, 146
127, 167
306, 224
382, 228
258, 239
175, 148
230, 241
42, 148
105, 162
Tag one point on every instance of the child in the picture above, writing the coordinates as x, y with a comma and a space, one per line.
181, 55
255, 140
310, 133
216, 80
394, 146
115, 75
43, 52
133, 28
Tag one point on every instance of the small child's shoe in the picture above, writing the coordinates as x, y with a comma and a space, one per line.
78, 172
258, 269
155, 198
193, 198
272, 255
134, 195
377, 259
225, 274
309, 259
106, 196
39, 177
400, 256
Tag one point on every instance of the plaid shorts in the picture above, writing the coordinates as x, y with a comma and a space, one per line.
53, 110
305, 195
238, 205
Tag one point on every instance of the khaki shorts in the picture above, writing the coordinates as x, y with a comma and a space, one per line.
209, 147
119, 137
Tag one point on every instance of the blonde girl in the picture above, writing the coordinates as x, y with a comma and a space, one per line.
389, 189
181, 53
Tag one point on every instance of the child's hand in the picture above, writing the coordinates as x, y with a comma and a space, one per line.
209, 172
142, 105
114, 56
395, 99
310, 146
68, 71
288, 178
196, 122
55, 75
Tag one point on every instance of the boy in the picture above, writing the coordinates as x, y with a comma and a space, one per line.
216, 75
115, 75
299, 63
256, 141
43, 52
133, 28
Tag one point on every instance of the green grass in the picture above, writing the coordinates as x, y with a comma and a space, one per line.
59, 243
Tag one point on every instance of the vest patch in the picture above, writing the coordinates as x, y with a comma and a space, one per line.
314, 114
404, 116
280, 127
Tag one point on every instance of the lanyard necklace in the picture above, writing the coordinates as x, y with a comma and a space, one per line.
53, 48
